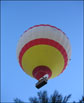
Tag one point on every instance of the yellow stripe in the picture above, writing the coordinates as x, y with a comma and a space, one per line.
43, 55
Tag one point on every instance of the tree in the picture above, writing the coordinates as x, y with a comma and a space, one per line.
42, 97
18, 101
82, 100
58, 98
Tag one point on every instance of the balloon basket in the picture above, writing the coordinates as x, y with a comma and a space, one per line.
41, 82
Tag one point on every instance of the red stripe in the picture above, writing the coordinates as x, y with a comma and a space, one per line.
44, 41
45, 25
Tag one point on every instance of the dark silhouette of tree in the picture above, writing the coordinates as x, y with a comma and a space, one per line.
42, 97
56, 97
82, 100
18, 101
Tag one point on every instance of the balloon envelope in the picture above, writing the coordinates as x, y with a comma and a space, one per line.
43, 50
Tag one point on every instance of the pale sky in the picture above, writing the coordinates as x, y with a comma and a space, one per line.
16, 17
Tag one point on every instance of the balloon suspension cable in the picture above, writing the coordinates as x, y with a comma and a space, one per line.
42, 81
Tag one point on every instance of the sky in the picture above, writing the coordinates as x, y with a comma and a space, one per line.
18, 16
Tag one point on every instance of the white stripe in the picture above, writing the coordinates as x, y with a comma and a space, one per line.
44, 32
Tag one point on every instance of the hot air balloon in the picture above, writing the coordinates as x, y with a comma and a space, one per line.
43, 52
